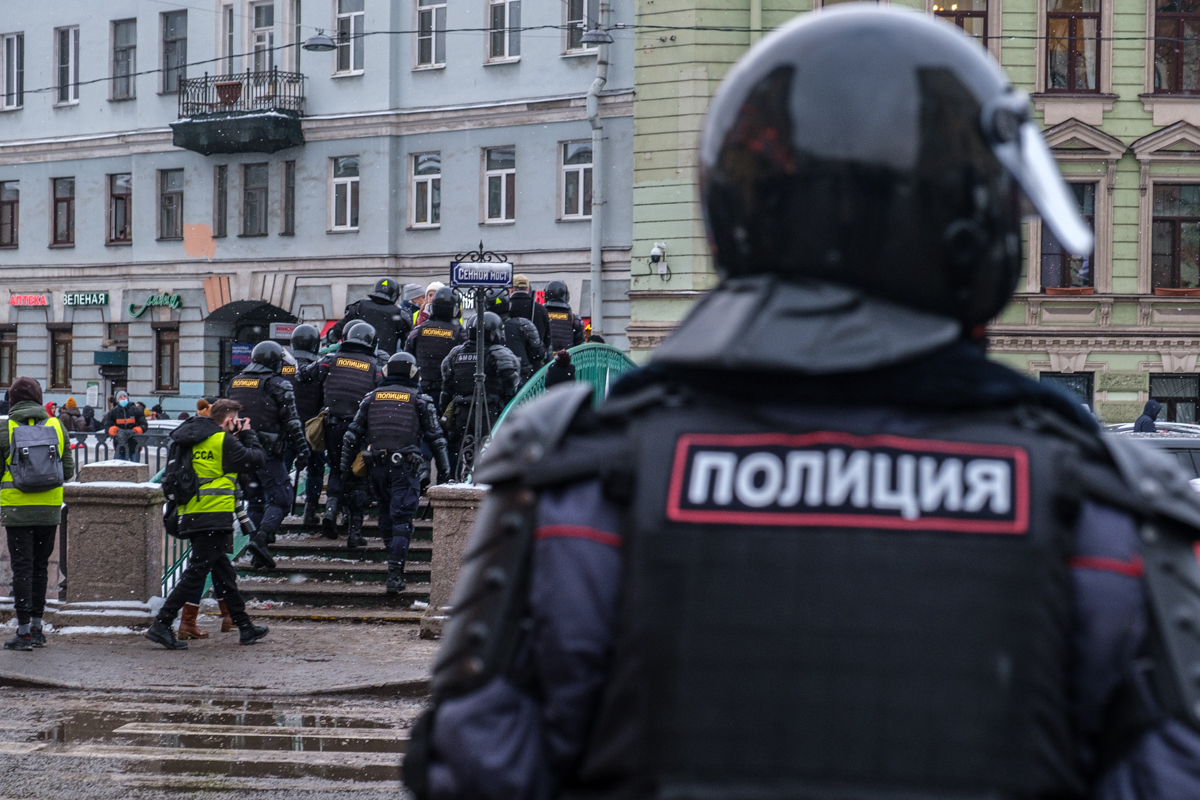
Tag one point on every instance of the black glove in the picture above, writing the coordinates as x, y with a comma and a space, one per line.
302, 458
442, 458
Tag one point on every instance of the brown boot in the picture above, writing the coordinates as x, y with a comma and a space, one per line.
226, 620
187, 623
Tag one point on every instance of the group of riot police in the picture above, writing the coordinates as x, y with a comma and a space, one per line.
377, 395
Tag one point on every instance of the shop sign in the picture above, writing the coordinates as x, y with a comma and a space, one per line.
85, 298
29, 300
240, 354
168, 300
282, 330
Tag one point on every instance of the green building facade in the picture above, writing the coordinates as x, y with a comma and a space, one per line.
1121, 116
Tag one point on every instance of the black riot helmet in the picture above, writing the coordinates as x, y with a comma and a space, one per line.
882, 150
402, 365
386, 289
443, 304
306, 339
361, 333
269, 354
493, 328
500, 303
557, 292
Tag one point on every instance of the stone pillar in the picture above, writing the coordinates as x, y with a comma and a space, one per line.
114, 546
454, 509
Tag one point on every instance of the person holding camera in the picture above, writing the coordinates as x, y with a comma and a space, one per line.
222, 446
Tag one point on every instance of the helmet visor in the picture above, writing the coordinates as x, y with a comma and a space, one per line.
1029, 160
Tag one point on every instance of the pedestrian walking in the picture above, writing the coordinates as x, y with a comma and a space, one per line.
1145, 423
31, 516
223, 446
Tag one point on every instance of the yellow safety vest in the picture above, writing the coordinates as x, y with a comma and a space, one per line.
216, 486
11, 495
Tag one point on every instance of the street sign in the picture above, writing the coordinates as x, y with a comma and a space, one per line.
481, 275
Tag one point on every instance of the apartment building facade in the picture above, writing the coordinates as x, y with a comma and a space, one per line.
178, 182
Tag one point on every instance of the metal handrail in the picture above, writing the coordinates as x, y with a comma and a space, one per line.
270, 90
597, 364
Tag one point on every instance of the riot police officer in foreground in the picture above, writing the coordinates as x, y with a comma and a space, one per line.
520, 336
501, 369
943, 586
390, 425
268, 403
432, 340
379, 309
306, 348
345, 377
566, 329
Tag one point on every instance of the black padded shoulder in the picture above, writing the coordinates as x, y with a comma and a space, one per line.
531, 432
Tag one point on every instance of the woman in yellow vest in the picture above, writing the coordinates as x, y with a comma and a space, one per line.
30, 520
223, 445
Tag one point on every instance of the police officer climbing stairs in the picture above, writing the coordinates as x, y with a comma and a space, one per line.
306, 346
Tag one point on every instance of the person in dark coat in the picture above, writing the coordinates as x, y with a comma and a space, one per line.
561, 371
89, 419
1145, 423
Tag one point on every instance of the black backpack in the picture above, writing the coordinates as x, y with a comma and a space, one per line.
35, 461
179, 484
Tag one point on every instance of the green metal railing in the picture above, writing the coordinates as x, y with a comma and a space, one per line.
597, 364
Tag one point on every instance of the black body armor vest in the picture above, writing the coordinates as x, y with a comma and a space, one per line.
308, 395
520, 304
464, 369
387, 319
514, 339
562, 326
392, 419
434, 342
251, 391
351, 376
911, 585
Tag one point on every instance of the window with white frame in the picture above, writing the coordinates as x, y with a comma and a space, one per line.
174, 50
579, 19
350, 18
227, 40
504, 24
345, 194
431, 33
577, 180
262, 36
297, 34
427, 190
500, 180
66, 59
124, 59
12, 70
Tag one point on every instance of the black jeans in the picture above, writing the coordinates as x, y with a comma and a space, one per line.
29, 548
208, 555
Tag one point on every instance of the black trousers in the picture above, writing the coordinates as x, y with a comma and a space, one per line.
208, 555
29, 548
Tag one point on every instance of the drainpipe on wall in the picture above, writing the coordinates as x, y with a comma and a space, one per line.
755, 20
593, 112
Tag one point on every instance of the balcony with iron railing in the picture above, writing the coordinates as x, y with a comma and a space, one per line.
246, 112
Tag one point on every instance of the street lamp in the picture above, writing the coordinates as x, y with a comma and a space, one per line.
597, 36
323, 43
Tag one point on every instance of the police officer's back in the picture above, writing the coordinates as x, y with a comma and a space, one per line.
502, 370
525, 305
830, 549
520, 336
306, 347
566, 329
431, 341
379, 308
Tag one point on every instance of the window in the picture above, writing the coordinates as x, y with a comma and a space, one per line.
118, 336
1179, 395
8, 357
254, 200
263, 36
63, 231
166, 360
501, 182
12, 70
288, 227
170, 204
60, 361
427, 190
124, 59
66, 57
227, 37
577, 180
579, 19
505, 25
297, 33
174, 55
970, 15
120, 208
431, 33
1177, 49
1175, 237
221, 200
1075, 384
349, 35
1061, 269
1072, 45
345, 193
10, 213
